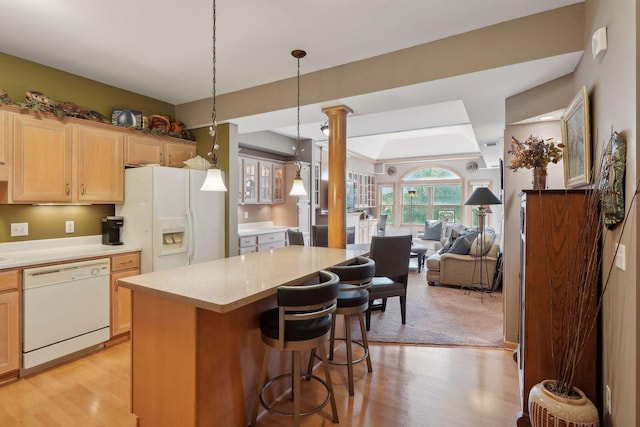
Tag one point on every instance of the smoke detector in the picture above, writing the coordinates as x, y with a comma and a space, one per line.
472, 167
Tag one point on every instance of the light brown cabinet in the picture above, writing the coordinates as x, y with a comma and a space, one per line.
44, 154
175, 153
42, 160
123, 265
4, 138
100, 160
142, 150
151, 149
9, 323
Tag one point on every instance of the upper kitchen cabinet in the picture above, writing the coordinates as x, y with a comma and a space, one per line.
142, 150
261, 181
265, 195
175, 153
44, 152
42, 160
100, 177
278, 183
151, 149
4, 138
250, 180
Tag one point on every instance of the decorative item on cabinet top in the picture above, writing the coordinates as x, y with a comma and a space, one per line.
130, 119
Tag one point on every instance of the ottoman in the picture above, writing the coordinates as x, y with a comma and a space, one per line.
420, 252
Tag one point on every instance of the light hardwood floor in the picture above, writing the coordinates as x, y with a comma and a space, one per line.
410, 386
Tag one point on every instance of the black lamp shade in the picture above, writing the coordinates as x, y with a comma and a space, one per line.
482, 196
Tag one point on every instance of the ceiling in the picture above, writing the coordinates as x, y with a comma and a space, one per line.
162, 49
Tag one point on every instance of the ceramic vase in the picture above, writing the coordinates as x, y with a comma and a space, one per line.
547, 409
539, 178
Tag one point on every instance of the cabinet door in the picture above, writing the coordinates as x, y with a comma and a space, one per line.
250, 179
121, 303
100, 155
278, 183
140, 150
4, 139
176, 153
42, 160
9, 332
265, 181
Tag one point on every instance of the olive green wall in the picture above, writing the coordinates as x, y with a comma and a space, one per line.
18, 76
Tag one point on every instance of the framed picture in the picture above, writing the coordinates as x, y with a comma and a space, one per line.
577, 141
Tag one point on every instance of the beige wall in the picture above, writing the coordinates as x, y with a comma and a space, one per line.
612, 86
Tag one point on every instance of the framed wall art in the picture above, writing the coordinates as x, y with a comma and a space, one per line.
577, 141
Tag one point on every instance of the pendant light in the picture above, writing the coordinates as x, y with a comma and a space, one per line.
214, 180
297, 189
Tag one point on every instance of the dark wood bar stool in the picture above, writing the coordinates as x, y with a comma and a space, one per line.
355, 281
301, 322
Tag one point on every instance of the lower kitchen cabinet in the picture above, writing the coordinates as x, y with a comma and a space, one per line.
9, 324
123, 265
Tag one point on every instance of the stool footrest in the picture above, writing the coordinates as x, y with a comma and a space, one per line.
304, 375
358, 360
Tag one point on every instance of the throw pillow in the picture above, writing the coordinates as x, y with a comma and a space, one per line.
460, 246
432, 231
487, 242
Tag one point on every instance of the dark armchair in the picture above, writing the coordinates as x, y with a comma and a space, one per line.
391, 255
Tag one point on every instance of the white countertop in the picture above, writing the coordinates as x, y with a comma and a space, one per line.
33, 252
227, 284
255, 228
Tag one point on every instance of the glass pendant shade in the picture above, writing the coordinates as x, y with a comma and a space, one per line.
297, 189
213, 181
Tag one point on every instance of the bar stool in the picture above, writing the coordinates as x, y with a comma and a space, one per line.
301, 322
355, 281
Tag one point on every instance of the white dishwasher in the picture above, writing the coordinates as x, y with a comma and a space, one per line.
65, 310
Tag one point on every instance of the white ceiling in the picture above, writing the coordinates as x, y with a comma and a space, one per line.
162, 49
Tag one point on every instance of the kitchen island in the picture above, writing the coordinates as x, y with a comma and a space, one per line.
196, 343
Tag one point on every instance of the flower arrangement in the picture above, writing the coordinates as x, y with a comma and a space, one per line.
533, 153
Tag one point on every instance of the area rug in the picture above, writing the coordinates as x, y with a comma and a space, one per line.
440, 315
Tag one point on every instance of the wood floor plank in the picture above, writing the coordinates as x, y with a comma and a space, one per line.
410, 386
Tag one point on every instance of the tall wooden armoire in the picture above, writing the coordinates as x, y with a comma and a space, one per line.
550, 223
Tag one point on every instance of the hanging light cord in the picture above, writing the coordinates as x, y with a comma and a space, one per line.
298, 54
213, 128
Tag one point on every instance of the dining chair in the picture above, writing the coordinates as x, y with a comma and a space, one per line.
320, 234
295, 238
391, 255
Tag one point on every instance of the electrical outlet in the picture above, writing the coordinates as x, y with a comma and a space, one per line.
19, 229
607, 402
69, 226
246, 215
620, 257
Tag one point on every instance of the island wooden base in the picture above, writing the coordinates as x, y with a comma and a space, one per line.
194, 367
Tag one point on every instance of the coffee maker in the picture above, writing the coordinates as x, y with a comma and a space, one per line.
111, 226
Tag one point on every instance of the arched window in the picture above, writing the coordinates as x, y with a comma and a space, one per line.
431, 193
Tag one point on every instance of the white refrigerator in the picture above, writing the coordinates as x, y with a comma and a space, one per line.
167, 215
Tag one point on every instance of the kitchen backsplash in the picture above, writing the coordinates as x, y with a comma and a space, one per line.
48, 222
254, 213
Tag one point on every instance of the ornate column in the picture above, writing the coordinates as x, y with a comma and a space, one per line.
337, 174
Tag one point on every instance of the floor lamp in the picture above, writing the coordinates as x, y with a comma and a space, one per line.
412, 195
481, 197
